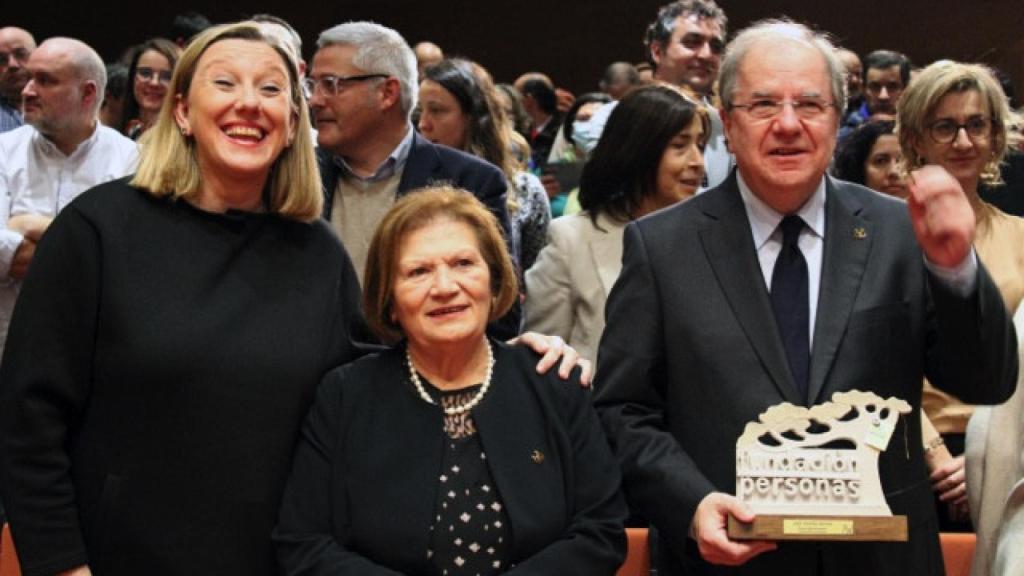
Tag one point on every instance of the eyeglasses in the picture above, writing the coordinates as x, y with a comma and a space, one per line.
146, 74
765, 108
946, 131
331, 85
20, 55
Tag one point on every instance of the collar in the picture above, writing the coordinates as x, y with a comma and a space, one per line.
393, 164
764, 219
48, 148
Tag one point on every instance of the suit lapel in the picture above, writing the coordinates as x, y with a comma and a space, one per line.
421, 166
848, 238
606, 251
524, 464
729, 246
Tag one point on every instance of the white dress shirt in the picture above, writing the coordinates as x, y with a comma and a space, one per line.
37, 178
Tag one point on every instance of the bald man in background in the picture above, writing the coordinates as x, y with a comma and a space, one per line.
61, 151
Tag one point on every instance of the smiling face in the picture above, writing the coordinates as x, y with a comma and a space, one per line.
442, 288
150, 93
691, 55
442, 120
964, 157
238, 110
882, 167
782, 158
681, 169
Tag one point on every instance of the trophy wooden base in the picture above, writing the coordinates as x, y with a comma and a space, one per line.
837, 528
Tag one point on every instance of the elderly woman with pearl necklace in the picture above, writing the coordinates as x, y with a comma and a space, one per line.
448, 453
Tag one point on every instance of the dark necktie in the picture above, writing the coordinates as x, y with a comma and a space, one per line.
790, 303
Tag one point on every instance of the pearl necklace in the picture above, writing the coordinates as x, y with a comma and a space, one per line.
455, 409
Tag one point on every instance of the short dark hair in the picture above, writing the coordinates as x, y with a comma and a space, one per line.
882, 59
619, 70
117, 79
187, 24
543, 93
856, 148
659, 31
623, 167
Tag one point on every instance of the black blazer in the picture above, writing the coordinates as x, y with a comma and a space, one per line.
691, 354
361, 496
428, 164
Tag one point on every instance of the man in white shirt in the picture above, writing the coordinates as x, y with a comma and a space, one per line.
61, 151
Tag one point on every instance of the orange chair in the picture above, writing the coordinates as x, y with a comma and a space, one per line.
638, 558
8, 559
957, 552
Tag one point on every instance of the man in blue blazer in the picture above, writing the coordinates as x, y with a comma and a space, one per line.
782, 284
362, 88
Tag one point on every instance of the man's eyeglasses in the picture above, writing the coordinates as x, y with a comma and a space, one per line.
20, 55
146, 74
331, 85
765, 108
946, 131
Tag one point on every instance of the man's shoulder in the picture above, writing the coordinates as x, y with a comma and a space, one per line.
452, 160
17, 139
114, 139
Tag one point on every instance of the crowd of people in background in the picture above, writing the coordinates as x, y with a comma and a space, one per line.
194, 235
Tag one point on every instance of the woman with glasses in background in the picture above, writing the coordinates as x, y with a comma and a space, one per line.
152, 64
956, 115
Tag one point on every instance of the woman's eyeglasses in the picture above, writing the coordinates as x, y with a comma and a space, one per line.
146, 74
946, 130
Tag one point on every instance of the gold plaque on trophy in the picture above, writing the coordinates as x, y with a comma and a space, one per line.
812, 473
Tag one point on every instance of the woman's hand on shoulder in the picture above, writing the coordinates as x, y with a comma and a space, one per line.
82, 570
552, 349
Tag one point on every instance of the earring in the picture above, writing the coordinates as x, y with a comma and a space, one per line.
184, 131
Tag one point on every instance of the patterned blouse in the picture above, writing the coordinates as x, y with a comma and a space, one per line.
530, 219
470, 531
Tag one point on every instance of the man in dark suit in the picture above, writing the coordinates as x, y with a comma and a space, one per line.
785, 285
362, 88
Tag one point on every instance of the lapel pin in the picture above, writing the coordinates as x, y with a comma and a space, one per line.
860, 233
537, 456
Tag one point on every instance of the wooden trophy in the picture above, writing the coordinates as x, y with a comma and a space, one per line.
812, 473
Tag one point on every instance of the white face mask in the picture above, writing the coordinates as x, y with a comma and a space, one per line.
586, 133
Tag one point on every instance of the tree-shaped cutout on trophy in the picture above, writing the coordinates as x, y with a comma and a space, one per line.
812, 473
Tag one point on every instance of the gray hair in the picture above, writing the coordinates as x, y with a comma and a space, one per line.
775, 30
379, 50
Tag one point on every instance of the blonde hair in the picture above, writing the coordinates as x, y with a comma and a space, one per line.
925, 92
413, 212
168, 165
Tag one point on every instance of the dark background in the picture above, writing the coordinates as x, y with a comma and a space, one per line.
571, 40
